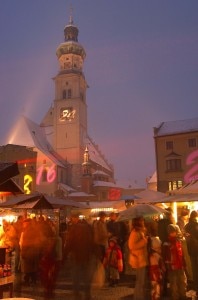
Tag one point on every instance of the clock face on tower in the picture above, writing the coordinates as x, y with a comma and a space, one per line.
67, 114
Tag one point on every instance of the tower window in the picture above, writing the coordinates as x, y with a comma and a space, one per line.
64, 94
69, 94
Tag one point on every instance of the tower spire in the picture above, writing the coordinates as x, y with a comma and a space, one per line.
86, 163
71, 30
71, 15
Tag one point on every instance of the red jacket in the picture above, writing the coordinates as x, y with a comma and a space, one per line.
113, 258
173, 254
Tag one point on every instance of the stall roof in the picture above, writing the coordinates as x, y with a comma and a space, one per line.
11, 186
7, 171
53, 201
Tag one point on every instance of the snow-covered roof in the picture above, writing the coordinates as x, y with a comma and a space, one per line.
66, 187
95, 154
191, 187
129, 184
98, 172
149, 196
105, 183
80, 194
105, 204
40, 142
174, 127
153, 178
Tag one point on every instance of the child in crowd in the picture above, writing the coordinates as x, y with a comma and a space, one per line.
174, 260
156, 267
113, 262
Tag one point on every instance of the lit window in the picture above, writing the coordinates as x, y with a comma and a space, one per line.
179, 183
169, 145
173, 185
192, 143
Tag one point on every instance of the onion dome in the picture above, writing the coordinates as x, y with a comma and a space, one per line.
71, 45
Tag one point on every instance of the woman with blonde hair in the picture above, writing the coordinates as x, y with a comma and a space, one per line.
138, 257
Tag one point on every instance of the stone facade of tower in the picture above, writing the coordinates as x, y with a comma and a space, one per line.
69, 113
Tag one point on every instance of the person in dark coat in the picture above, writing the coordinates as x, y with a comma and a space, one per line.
30, 251
163, 236
117, 229
79, 248
191, 234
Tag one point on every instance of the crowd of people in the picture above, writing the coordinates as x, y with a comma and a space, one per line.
163, 254
37, 250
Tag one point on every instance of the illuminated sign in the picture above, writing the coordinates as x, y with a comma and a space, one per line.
192, 173
27, 184
49, 171
67, 114
114, 194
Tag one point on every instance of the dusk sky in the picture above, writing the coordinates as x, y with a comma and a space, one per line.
141, 68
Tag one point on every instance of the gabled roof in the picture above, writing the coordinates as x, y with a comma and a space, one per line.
153, 178
96, 156
39, 138
173, 154
48, 118
40, 142
175, 127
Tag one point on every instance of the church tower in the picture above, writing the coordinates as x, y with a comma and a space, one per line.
70, 108
66, 153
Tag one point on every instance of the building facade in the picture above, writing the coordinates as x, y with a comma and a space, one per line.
176, 152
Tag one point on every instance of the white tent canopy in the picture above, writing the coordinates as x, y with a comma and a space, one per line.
189, 188
149, 196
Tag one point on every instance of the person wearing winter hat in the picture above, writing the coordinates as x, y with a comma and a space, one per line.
173, 257
113, 261
155, 268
